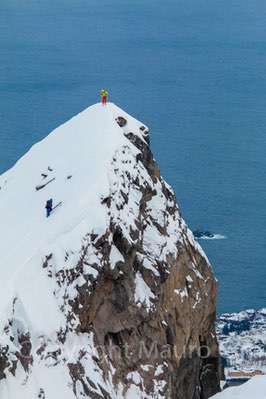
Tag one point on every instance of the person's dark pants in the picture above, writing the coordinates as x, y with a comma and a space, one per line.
48, 212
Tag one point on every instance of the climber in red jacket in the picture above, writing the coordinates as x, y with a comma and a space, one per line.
104, 94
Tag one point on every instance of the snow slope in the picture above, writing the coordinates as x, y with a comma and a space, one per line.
89, 142
253, 389
81, 148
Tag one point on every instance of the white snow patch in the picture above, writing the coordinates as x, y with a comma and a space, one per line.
189, 279
182, 292
115, 257
143, 293
253, 389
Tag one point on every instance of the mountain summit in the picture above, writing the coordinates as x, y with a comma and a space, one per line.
110, 296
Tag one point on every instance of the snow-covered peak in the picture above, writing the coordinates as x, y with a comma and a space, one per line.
113, 265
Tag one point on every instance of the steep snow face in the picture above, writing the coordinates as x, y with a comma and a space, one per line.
75, 163
253, 389
113, 264
83, 149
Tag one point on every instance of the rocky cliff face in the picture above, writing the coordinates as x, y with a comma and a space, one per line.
134, 293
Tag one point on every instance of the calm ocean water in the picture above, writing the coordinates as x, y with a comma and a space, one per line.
193, 70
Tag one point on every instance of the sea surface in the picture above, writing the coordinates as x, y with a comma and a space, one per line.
193, 70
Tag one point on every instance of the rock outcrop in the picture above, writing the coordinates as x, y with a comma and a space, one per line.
136, 294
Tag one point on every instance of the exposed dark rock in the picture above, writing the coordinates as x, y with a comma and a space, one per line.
3, 361
203, 234
121, 121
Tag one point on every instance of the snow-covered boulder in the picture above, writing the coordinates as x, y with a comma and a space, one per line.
109, 297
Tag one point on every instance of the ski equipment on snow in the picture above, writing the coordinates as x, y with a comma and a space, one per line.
40, 186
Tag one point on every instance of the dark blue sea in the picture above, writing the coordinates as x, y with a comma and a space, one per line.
193, 70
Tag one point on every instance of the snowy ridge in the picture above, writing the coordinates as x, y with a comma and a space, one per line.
93, 271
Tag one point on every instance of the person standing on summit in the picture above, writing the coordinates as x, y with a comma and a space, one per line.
104, 94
